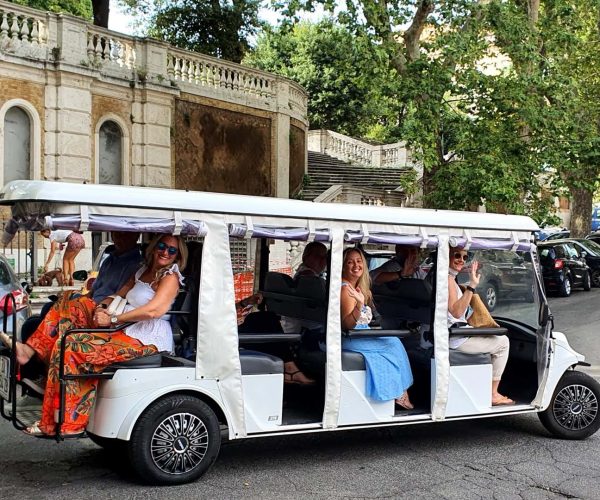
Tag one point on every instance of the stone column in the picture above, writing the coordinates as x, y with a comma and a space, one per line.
281, 123
151, 138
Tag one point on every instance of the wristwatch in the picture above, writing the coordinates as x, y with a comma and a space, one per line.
113, 319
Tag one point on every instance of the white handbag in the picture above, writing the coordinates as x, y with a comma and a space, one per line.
117, 306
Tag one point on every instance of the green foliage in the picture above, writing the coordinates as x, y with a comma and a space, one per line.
220, 28
81, 8
345, 75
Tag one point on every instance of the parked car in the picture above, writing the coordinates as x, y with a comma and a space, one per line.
560, 235
564, 267
504, 275
594, 236
9, 284
590, 250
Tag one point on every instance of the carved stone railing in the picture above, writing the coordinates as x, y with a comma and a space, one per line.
71, 41
106, 48
23, 31
358, 152
205, 71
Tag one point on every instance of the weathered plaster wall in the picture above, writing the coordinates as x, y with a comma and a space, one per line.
221, 150
297, 155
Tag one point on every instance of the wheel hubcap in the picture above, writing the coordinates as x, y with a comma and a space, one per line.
575, 407
179, 443
596, 278
490, 296
568, 285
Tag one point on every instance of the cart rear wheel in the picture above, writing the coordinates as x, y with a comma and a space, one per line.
175, 441
573, 412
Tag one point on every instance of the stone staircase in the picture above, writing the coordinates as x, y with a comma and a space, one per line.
325, 171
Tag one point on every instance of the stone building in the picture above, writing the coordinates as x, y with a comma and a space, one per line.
80, 103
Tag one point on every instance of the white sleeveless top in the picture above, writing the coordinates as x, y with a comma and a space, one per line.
151, 331
455, 342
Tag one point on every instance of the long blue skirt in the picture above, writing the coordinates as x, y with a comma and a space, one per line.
388, 368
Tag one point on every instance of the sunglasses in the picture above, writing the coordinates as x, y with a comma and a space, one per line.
461, 256
161, 246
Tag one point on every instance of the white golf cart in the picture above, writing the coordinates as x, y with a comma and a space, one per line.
171, 411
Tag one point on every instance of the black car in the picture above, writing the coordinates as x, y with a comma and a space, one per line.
595, 236
590, 250
564, 266
504, 274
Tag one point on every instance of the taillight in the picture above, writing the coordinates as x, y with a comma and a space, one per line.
558, 264
21, 300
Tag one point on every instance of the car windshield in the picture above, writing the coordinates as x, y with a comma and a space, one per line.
590, 247
506, 285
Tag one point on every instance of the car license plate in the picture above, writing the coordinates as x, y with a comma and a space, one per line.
5, 377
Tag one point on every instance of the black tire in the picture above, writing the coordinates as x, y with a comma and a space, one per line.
177, 421
573, 412
596, 278
489, 295
566, 287
109, 444
587, 282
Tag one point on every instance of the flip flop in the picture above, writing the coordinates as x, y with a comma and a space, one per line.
288, 378
503, 401
404, 403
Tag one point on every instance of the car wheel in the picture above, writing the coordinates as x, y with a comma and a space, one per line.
490, 296
573, 412
175, 441
596, 278
565, 289
587, 282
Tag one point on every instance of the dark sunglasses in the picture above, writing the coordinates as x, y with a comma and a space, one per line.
161, 246
461, 256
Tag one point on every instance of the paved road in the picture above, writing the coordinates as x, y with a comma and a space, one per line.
510, 457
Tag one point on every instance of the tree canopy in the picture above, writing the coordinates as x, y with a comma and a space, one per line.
81, 8
220, 28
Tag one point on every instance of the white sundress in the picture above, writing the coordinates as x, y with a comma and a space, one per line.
151, 331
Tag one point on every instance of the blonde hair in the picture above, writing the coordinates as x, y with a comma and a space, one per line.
364, 282
180, 260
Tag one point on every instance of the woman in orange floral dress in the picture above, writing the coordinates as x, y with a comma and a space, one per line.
149, 294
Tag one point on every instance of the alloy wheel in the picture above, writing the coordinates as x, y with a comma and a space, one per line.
575, 407
179, 443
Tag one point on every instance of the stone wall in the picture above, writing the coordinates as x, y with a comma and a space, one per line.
222, 150
297, 156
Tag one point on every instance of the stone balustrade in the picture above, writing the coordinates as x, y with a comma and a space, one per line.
358, 152
23, 31
69, 40
209, 72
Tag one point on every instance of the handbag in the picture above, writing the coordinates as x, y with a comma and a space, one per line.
117, 306
481, 317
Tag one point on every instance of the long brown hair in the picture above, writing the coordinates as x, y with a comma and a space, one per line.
364, 282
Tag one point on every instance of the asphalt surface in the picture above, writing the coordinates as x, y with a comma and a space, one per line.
508, 457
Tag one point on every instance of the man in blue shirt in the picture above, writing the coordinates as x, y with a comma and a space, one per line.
118, 267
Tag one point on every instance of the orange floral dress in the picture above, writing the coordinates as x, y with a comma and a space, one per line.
84, 353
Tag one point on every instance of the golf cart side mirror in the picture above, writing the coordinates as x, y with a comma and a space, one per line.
80, 275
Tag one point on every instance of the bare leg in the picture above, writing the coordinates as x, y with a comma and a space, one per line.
24, 352
497, 398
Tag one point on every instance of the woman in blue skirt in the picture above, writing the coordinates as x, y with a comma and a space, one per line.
388, 369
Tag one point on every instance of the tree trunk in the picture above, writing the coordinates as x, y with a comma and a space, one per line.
581, 212
101, 10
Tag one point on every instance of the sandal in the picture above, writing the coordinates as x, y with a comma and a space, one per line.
294, 378
34, 430
404, 403
502, 400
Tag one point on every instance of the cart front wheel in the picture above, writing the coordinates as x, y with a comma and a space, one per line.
175, 441
573, 412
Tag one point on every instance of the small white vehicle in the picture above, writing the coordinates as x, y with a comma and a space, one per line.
170, 412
